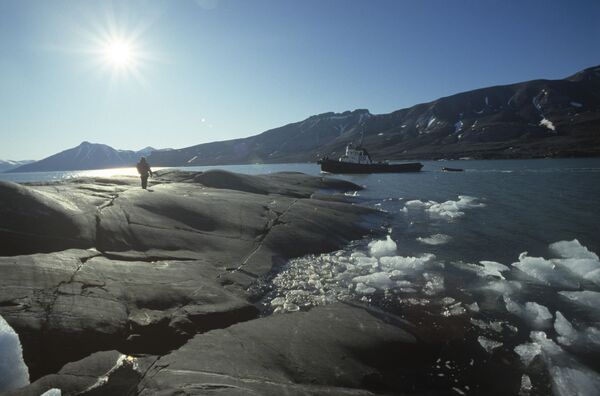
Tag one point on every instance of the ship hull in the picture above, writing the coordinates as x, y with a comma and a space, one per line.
348, 167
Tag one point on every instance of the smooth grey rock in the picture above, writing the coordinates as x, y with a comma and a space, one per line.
67, 305
336, 349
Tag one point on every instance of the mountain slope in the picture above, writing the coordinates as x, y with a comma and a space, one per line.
537, 118
86, 156
6, 166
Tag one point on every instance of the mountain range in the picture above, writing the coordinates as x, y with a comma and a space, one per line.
86, 156
7, 165
539, 118
532, 119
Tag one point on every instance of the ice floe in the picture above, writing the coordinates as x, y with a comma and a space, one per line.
568, 335
536, 315
435, 239
447, 210
568, 376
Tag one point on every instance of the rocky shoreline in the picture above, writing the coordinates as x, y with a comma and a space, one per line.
117, 290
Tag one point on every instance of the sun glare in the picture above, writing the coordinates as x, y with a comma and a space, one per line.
119, 54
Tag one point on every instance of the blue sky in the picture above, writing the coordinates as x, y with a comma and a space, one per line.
207, 70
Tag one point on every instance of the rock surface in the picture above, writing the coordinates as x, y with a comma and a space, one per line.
99, 264
338, 349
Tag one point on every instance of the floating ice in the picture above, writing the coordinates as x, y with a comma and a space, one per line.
484, 268
568, 376
527, 352
503, 287
526, 385
577, 260
587, 298
382, 248
447, 210
576, 104
13, 371
487, 344
435, 239
434, 283
588, 338
544, 271
536, 315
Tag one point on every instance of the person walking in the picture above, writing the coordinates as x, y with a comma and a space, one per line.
144, 170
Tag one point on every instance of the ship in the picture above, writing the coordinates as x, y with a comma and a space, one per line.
358, 160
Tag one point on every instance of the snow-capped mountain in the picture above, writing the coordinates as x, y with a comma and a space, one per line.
6, 166
538, 118
87, 156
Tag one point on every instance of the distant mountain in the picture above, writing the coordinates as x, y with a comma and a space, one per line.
87, 156
7, 166
539, 118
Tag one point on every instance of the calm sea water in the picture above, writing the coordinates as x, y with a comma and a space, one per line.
499, 263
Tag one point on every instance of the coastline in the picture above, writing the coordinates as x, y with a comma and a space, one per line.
98, 264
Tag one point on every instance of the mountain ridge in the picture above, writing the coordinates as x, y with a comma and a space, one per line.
86, 156
537, 118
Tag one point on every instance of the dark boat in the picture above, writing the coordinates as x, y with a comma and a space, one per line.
358, 160
445, 169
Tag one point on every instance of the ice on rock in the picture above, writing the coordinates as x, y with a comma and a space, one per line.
435, 239
487, 344
13, 371
536, 315
382, 248
361, 288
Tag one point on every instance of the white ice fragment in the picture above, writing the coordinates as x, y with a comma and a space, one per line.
526, 385
587, 338
382, 248
488, 344
277, 301
484, 268
434, 284
503, 287
548, 124
576, 104
407, 264
527, 352
544, 271
587, 298
13, 371
290, 307
361, 288
536, 315
435, 239
473, 307
377, 280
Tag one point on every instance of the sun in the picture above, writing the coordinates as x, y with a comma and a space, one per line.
119, 54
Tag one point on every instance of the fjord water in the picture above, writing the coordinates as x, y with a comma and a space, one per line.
497, 267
